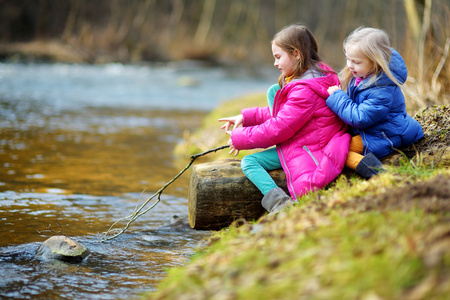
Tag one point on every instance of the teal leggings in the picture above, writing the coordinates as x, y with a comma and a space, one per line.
256, 165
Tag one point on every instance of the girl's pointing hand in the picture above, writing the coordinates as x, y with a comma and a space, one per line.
236, 121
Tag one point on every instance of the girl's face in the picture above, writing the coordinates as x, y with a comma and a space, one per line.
357, 62
284, 61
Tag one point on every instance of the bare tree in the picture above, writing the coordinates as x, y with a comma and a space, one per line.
204, 25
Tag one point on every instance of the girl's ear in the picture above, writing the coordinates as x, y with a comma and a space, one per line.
297, 54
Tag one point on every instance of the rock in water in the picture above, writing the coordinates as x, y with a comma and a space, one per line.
62, 248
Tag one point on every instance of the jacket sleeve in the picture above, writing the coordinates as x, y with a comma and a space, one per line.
294, 114
371, 110
255, 115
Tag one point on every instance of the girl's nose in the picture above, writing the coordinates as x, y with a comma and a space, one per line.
349, 64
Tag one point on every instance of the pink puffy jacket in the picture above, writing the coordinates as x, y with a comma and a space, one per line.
311, 140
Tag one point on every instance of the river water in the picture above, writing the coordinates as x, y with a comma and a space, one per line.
82, 146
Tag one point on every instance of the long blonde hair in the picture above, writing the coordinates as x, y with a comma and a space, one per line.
374, 44
298, 38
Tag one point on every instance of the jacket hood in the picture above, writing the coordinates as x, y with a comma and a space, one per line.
398, 68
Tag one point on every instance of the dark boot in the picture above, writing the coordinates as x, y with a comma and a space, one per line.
275, 200
370, 165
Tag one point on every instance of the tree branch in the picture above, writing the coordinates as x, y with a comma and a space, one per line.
140, 211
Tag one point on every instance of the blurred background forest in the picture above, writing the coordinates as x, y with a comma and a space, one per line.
234, 32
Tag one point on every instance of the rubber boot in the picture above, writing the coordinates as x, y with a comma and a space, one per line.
370, 165
275, 200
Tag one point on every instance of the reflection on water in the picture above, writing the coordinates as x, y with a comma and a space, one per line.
77, 172
93, 151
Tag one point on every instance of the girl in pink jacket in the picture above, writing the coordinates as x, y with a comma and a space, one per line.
311, 143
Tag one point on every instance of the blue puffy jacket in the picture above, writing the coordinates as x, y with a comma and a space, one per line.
377, 112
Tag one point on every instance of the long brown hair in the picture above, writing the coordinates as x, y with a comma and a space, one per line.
299, 39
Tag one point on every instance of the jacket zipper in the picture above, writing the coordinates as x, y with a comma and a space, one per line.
310, 154
283, 162
388, 139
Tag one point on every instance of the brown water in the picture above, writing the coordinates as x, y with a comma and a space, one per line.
77, 172
96, 151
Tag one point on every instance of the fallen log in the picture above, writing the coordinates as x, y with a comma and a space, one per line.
220, 193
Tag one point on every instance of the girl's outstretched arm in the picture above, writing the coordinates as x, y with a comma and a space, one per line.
289, 119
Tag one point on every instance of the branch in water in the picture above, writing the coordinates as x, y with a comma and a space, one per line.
49, 229
139, 212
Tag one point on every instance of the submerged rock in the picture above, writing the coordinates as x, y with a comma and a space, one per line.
179, 223
62, 248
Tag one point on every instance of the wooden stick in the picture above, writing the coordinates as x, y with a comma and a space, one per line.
139, 212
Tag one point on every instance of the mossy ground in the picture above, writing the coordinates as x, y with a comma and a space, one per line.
386, 238
383, 238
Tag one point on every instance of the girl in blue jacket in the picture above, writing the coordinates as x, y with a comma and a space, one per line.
373, 104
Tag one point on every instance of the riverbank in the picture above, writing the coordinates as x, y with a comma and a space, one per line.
385, 238
42, 51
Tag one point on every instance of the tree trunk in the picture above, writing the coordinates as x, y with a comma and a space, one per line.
220, 193
205, 22
413, 19
71, 20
